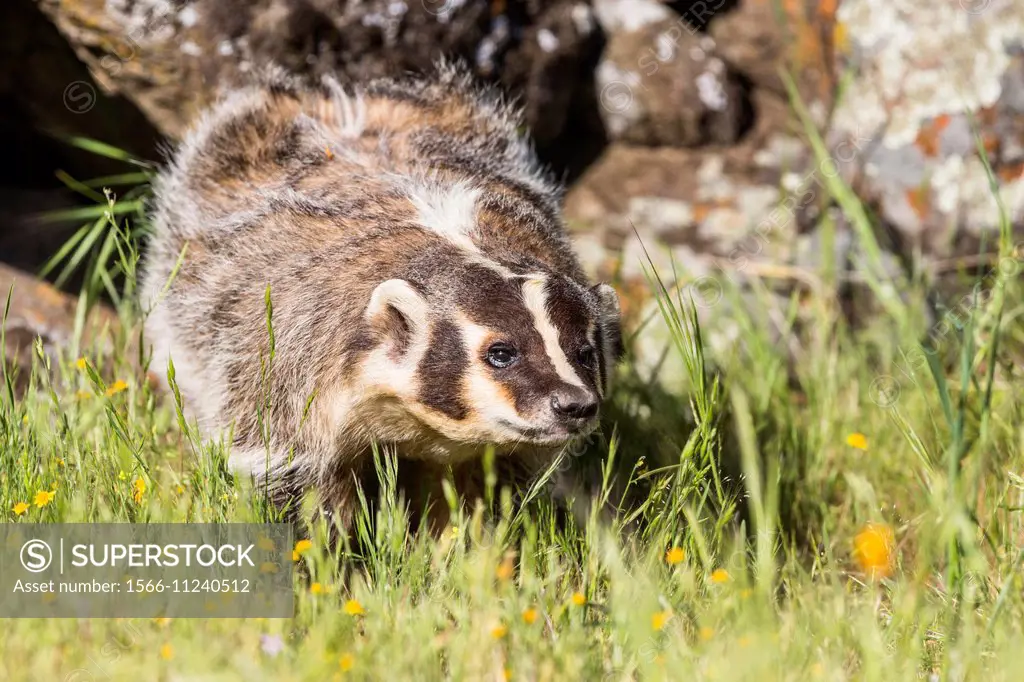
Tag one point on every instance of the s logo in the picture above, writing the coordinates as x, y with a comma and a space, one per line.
36, 556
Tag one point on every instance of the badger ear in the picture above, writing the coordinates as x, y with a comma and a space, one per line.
397, 311
609, 327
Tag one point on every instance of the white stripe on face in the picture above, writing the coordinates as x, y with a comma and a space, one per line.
535, 298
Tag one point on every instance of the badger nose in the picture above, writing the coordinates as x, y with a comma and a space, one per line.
571, 402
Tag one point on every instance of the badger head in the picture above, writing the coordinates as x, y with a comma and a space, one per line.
483, 355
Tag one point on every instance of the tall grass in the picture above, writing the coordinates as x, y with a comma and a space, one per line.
725, 534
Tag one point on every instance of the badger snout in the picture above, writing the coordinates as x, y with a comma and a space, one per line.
574, 407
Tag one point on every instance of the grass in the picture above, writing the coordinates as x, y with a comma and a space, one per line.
856, 514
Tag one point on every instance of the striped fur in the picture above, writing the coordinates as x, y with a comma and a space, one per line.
403, 228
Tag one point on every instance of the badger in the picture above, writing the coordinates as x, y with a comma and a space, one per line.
335, 268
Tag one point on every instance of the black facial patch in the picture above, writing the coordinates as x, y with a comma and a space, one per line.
601, 369
571, 312
496, 303
445, 361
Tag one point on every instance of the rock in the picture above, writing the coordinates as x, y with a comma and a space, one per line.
759, 37
551, 67
173, 57
698, 198
921, 73
708, 221
40, 311
664, 84
626, 16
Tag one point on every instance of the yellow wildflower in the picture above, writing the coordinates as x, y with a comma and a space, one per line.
706, 633
857, 440
20, 508
499, 631
659, 619
44, 497
674, 556
579, 599
873, 550
138, 489
60, 462
301, 547
122, 476
167, 652
80, 363
346, 662
353, 608
116, 388
316, 588
719, 576
530, 616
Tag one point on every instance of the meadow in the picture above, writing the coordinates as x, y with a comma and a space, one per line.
845, 504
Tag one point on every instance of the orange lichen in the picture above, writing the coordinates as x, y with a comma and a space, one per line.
919, 199
929, 135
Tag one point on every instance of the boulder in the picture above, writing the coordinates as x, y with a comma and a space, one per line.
39, 311
664, 84
173, 57
930, 83
758, 38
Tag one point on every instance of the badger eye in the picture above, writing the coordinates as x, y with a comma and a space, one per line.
501, 355
586, 356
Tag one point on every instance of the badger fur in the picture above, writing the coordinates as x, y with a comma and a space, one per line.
424, 293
